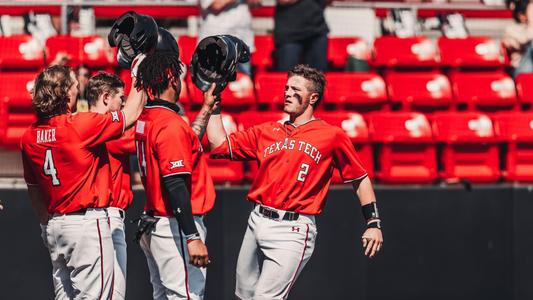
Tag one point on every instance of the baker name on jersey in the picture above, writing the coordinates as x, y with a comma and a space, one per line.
46, 136
301, 146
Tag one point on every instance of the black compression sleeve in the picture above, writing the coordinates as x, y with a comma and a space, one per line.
180, 202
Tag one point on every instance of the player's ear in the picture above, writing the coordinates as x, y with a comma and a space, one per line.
105, 98
313, 99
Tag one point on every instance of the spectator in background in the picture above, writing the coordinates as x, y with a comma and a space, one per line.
229, 17
301, 34
82, 75
518, 36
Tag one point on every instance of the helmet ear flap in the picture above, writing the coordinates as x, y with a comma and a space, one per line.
215, 61
122, 26
133, 34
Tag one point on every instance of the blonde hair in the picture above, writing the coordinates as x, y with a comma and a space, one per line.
50, 91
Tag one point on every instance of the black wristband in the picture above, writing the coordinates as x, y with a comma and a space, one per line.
216, 111
370, 211
371, 215
374, 223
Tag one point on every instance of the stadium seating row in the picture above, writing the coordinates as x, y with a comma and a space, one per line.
397, 147
410, 147
425, 91
22, 52
388, 51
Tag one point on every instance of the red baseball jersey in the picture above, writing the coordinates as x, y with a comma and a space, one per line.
119, 161
167, 146
295, 162
203, 190
66, 156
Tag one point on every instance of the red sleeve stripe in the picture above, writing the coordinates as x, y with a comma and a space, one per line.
229, 147
178, 173
301, 260
123, 121
358, 178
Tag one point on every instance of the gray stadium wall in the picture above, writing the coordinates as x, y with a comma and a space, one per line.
440, 243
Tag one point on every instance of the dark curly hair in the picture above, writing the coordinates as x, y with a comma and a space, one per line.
156, 71
50, 91
102, 83
314, 76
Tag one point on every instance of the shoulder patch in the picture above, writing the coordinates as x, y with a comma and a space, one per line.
139, 127
176, 164
114, 115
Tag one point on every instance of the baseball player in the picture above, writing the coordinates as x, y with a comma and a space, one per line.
105, 93
296, 161
66, 168
168, 150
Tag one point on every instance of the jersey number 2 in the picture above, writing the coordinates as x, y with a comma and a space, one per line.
304, 168
49, 167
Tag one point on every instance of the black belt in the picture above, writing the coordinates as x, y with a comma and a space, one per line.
79, 212
272, 214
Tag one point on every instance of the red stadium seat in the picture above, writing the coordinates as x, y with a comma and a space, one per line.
470, 149
187, 45
407, 153
3, 120
223, 171
411, 52
92, 51
524, 88
339, 49
516, 129
471, 52
355, 127
262, 58
251, 118
355, 89
125, 75
20, 52
237, 94
270, 88
15, 88
420, 90
484, 90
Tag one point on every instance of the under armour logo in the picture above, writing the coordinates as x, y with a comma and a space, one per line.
276, 129
176, 164
295, 229
114, 115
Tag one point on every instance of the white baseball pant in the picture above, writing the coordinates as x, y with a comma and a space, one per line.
273, 254
116, 221
81, 250
168, 273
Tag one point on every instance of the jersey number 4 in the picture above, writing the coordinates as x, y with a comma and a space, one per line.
304, 169
50, 168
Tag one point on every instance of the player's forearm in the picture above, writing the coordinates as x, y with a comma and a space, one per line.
199, 125
365, 191
134, 106
216, 134
180, 203
37, 204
